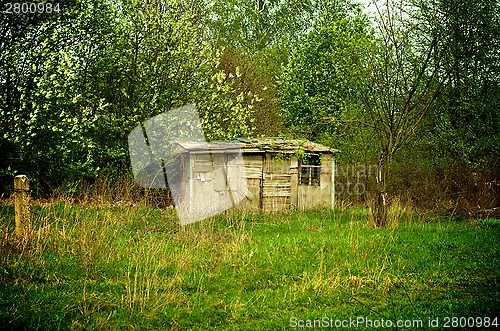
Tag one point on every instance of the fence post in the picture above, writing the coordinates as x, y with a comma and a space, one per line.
21, 202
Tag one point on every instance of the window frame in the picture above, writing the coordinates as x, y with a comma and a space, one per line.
310, 170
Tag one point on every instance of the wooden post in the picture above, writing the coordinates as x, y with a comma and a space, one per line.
22, 212
333, 182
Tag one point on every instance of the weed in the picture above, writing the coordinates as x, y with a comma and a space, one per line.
99, 266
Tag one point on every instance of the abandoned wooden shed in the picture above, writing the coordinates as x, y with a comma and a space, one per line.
272, 174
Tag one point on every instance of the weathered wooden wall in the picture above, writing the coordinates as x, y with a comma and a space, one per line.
315, 196
272, 182
276, 182
294, 182
253, 164
208, 184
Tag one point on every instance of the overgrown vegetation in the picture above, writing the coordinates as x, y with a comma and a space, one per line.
409, 93
399, 88
132, 267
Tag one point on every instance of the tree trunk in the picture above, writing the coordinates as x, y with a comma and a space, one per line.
379, 211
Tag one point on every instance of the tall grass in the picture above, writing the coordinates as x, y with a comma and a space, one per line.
115, 191
94, 265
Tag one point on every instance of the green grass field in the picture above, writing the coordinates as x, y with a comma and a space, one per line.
133, 268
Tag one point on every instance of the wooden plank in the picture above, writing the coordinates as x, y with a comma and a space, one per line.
276, 204
294, 180
21, 207
252, 172
252, 166
252, 175
276, 183
252, 202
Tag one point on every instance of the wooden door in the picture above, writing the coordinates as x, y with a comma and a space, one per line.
276, 182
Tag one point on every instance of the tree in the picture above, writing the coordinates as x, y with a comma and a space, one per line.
160, 61
258, 35
468, 115
401, 79
461, 136
39, 103
253, 25
343, 76
78, 82
316, 87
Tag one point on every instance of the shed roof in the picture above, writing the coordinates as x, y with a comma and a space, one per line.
253, 146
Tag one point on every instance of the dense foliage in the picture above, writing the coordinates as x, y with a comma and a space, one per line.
76, 83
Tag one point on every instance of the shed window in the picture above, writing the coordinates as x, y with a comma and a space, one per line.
310, 170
